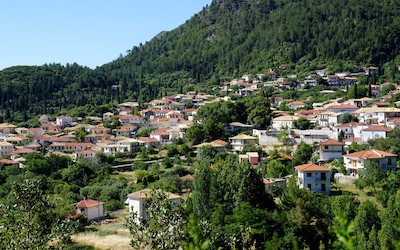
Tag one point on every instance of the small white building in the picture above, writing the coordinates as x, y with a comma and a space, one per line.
285, 121
163, 135
63, 120
327, 119
137, 201
314, 177
240, 141
350, 130
330, 150
355, 162
87, 154
130, 119
92, 209
374, 132
296, 104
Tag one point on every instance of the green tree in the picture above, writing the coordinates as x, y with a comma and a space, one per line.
366, 218
346, 118
303, 154
302, 123
27, 223
344, 231
164, 226
80, 133
195, 237
357, 91
206, 152
370, 176
283, 137
195, 134
201, 190
275, 169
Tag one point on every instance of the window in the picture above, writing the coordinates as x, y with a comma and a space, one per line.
354, 163
308, 174
323, 188
389, 161
309, 186
326, 147
323, 176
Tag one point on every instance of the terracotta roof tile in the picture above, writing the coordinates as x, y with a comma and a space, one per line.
370, 154
378, 128
332, 142
88, 203
311, 167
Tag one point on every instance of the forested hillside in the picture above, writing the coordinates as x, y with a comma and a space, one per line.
226, 39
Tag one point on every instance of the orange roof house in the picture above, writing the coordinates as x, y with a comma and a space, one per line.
92, 209
313, 177
356, 162
330, 150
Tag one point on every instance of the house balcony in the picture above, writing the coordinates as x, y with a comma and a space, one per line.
331, 151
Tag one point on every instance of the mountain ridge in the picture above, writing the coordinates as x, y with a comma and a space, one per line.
224, 40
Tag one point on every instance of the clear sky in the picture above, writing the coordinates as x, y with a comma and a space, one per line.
88, 32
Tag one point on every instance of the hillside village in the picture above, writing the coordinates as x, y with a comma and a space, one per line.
257, 144
163, 120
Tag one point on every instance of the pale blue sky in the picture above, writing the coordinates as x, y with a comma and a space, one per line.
88, 32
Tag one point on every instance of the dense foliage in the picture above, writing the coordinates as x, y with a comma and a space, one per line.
224, 40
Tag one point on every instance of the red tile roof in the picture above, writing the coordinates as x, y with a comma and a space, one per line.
220, 142
351, 124
23, 151
370, 154
187, 177
88, 203
343, 106
332, 142
6, 161
355, 139
311, 168
283, 155
379, 128
148, 139
395, 120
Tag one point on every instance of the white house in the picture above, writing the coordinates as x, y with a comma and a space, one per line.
92, 209
350, 130
330, 150
376, 115
374, 132
296, 104
326, 119
87, 154
130, 119
63, 120
285, 121
163, 135
355, 162
240, 141
314, 177
394, 123
113, 148
137, 201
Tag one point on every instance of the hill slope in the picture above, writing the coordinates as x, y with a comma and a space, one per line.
227, 38
247, 35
